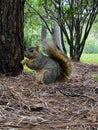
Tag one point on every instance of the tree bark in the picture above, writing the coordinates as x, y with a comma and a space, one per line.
43, 33
11, 36
56, 35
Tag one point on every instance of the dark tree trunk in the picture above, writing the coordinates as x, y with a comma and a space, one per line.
62, 41
11, 36
75, 54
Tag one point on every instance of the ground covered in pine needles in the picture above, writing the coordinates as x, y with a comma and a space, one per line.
72, 105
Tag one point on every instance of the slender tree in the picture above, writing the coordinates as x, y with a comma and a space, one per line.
11, 36
75, 19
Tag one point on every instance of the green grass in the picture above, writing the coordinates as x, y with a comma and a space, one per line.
27, 69
89, 58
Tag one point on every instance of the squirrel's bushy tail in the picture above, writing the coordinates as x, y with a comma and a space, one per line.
56, 54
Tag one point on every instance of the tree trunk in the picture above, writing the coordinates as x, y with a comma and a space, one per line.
56, 35
75, 54
11, 36
43, 33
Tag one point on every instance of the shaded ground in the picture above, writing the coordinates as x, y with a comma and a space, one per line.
69, 106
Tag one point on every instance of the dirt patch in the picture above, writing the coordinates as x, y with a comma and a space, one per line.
72, 105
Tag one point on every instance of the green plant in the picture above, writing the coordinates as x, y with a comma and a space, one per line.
95, 76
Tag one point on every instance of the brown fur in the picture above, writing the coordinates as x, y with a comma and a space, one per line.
49, 69
56, 54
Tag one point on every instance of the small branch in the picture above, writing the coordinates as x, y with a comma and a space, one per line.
40, 17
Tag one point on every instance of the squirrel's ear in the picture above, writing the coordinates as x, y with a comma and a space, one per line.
37, 48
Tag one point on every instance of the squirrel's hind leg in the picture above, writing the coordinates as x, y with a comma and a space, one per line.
39, 75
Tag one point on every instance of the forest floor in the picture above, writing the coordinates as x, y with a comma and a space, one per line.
72, 105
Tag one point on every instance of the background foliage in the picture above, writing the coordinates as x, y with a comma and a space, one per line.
33, 24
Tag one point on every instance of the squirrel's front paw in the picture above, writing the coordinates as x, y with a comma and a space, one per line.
23, 62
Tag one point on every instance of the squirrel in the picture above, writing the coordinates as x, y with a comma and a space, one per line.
56, 67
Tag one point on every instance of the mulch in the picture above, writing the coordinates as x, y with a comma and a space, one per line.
72, 105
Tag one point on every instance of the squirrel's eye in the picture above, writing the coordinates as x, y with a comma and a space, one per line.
30, 49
